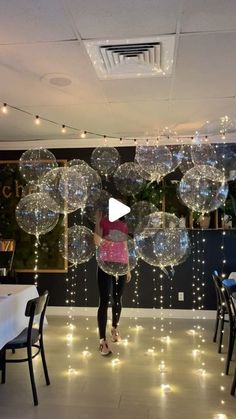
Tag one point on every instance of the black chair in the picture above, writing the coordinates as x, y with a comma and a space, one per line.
29, 338
233, 387
221, 310
232, 324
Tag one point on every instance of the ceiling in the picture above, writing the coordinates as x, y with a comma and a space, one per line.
41, 38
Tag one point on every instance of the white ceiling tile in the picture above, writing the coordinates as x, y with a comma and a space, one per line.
206, 66
34, 21
112, 18
190, 115
25, 71
142, 89
140, 118
209, 15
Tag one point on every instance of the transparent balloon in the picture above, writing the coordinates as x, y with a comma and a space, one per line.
203, 189
156, 160
105, 160
160, 241
128, 180
76, 162
92, 181
78, 246
116, 257
203, 154
139, 210
37, 214
145, 175
101, 205
226, 159
35, 163
177, 156
66, 188
186, 161
72, 188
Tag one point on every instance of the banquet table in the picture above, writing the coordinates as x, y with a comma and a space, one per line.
13, 300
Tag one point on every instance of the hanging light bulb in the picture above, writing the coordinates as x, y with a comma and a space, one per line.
83, 134
37, 120
63, 129
4, 108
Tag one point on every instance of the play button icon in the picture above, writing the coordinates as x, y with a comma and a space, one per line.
117, 209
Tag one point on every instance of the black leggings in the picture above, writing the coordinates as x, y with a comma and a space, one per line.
105, 284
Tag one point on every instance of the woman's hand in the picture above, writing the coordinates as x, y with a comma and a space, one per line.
128, 276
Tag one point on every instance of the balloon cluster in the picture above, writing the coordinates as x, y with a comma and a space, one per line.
160, 241
158, 238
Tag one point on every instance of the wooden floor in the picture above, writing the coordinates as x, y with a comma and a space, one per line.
131, 389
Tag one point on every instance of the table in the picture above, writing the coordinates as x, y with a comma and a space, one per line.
13, 300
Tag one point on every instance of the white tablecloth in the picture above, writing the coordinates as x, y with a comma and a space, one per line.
12, 310
232, 275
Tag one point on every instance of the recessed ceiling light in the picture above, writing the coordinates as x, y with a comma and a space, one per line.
57, 79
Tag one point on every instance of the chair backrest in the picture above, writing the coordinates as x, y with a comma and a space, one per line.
217, 284
36, 306
229, 304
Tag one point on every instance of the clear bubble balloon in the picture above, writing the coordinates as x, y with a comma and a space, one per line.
160, 241
177, 156
35, 163
66, 188
203, 154
92, 181
76, 162
37, 214
105, 160
78, 247
226, 159
203, 189
186, 161
128, 180
116, 257
72, 188
156, 160
101, 205
139, 210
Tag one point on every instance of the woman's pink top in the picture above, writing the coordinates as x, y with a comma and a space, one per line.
114, 247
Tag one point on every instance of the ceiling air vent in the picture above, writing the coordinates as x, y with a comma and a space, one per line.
142, 57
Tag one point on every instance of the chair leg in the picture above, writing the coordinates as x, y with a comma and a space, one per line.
233, 387
31, 371
3, 365
216, 325
44, 361
230, 350
222, 321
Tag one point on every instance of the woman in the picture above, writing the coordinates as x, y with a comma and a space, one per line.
111, 251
